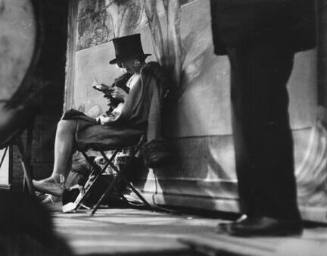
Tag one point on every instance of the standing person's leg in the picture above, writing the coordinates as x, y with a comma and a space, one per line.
64, 148
241, 123
269, 69
263, 141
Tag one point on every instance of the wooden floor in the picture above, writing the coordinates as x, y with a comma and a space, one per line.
140, 232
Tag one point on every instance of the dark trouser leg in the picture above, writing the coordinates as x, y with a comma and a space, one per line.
262, 136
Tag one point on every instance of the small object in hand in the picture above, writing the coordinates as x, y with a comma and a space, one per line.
102, 88
103, 119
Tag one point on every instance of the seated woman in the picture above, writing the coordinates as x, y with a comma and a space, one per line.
139, 112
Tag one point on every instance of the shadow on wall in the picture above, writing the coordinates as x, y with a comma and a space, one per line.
201, 176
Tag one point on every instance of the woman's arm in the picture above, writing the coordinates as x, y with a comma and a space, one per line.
132, 101
112, 117
118, 93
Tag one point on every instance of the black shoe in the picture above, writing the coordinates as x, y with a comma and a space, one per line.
266, 226
224, 227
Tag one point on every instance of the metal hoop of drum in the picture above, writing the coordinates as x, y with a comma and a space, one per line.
20, 46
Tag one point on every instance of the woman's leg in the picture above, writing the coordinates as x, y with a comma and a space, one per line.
64, 148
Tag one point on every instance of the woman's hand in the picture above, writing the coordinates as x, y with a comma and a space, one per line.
119, 93
104, 119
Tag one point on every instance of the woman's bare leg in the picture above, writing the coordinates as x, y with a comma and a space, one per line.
64, 148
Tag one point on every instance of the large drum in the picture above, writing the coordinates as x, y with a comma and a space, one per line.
19, 47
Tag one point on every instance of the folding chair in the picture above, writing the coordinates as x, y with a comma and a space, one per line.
97, 171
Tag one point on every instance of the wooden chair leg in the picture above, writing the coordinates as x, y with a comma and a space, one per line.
93, 177
108, 190
97, 171
4, 156
117, 179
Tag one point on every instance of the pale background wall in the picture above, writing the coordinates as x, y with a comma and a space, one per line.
204, 108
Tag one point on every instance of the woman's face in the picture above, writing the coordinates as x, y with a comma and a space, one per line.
130, 65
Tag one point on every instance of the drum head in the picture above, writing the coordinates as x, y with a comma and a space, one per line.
18, 46
17, 43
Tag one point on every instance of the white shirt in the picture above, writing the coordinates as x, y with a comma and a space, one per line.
133, 80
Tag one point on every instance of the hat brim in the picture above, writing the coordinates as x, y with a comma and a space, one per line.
114, 61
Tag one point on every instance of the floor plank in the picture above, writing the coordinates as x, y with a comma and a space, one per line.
140, 232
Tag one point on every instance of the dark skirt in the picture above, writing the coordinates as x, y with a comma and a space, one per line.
91, 135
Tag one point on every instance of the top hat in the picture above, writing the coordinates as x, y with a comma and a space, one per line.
127, 47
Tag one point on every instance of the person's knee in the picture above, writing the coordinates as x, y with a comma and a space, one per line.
66, 126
